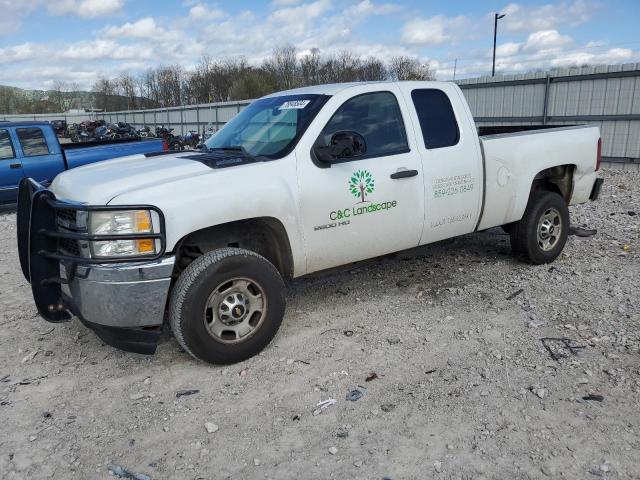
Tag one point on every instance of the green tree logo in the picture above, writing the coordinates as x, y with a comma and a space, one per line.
361, 184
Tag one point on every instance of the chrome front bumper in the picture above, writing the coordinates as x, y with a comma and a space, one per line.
120, 295
121, 300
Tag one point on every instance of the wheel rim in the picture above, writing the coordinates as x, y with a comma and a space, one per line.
235, 310
549, 229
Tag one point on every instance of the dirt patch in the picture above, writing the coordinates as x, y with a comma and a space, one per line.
465, 387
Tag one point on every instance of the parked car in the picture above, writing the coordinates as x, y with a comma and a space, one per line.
298, 182
31, 149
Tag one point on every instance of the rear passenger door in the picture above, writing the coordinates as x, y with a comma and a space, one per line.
451, 160
10, 169
42, 159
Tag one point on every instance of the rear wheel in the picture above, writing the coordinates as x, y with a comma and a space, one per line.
227, 305
542, 232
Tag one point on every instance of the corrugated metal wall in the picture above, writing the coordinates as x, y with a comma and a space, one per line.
607, 96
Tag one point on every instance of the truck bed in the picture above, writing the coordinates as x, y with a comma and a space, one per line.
512, 161
499, 129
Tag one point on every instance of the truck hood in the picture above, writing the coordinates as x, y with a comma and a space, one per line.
100, 182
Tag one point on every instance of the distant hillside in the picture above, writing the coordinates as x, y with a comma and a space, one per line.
18, 100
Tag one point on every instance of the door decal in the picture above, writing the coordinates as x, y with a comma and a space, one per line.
361, 185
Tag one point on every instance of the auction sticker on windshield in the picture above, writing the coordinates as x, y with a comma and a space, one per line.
294, 104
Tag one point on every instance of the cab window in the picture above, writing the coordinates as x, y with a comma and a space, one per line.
376, 116
437, 120
32, 142
6, 147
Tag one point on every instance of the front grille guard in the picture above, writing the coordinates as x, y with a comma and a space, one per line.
39, 245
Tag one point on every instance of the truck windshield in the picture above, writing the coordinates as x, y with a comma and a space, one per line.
269, 127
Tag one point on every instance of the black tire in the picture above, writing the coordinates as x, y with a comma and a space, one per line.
190, 296
524, 234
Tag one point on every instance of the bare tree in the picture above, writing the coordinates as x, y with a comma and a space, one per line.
105, 92
170, 85
127, 88
408, 68
254, 83
61, 96
372, 69
310, 68
348, 67
283, 66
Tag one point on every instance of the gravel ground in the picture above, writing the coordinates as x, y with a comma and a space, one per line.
465, 387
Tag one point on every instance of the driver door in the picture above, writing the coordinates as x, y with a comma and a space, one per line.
367, 205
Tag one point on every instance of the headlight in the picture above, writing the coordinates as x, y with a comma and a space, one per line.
125, 222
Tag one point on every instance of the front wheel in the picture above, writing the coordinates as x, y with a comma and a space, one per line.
227, 305
542, 232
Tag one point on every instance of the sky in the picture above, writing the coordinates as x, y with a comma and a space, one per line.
45, 41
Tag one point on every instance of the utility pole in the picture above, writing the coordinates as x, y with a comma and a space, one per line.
455, 64
495, 35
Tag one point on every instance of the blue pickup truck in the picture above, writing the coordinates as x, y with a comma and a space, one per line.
31, 149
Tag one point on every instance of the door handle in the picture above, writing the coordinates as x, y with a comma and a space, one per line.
15, 165
404, 174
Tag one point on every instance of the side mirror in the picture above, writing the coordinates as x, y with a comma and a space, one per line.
343, 146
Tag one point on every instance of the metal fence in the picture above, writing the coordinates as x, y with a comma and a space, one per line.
181, 119
607, 96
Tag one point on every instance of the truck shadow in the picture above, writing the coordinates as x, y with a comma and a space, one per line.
430, 268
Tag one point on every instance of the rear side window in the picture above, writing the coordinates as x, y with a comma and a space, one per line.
32, 141
6, 148
437, 120
375, 116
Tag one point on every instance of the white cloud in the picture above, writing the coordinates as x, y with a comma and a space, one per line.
520, 18
13, 14
201, 12
611, 56
285, 3
147, 29
129, 52
367, 7
429, 31
546, 40
89, 50
508, 49
85, 8
143, 28
17, 53
105, 50
302, 13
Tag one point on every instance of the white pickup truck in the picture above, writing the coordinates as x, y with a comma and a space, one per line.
299, 181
